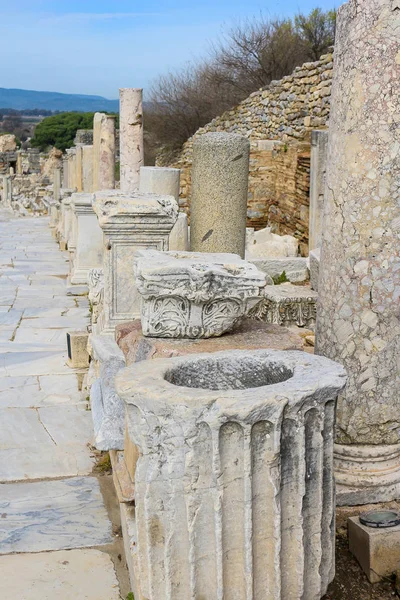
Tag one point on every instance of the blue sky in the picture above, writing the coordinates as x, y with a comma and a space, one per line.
97, 46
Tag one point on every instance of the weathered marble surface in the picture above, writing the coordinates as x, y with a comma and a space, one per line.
128, 223
241, 445
287, 305
359, 286
89, 573
52, 515
108, 410
247, 335
295, 268
265, 244
194, 294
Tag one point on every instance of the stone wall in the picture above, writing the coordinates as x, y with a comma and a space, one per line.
278, 120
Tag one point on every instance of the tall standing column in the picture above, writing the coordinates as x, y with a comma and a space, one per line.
218, 208
87, 169
79, 167
358, 316
319, 152
131, 138
65, 183
56, 184
96, 149
103, 152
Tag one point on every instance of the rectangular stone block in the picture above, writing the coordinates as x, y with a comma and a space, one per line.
377, 550
78, 357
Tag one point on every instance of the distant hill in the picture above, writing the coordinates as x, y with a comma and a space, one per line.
29, 99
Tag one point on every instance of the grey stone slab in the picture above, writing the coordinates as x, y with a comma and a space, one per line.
38, 302
34, 392
67, 424
18, 425
5, 335
53, 323
52, 515
62, 574
42, 339
40, 461
10, 318
33, 363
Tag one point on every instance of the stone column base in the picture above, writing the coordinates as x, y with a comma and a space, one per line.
366, 474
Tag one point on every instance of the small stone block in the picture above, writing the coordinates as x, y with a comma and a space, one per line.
288, 305
124, 486
78, 356
377, 550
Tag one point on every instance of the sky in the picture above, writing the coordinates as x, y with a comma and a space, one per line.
98, 46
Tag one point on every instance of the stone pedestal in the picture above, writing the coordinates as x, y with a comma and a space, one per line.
131, 138
359, 285
319, 155
218, 208
194, 295
88, 250
129, 223
234, 493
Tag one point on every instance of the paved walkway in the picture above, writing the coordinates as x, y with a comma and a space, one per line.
51, 507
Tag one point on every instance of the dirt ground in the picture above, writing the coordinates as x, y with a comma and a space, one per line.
350, 582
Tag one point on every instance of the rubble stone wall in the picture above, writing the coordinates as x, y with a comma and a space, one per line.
278, 120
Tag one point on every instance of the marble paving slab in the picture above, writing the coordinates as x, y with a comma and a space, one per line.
33, 462
63, 575
53, 323
33, 363
52, 515
35, 392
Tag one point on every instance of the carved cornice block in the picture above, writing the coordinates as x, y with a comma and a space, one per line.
287, 305
194, 294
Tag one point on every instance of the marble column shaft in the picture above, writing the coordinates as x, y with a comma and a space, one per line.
131, 138
358, 320
218, 207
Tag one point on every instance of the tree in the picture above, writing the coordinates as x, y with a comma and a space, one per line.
317, 31
249, 57
60, 130
12, 123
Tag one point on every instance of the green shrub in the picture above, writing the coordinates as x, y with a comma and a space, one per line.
278, 279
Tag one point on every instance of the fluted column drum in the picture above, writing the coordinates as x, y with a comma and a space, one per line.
234, 483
